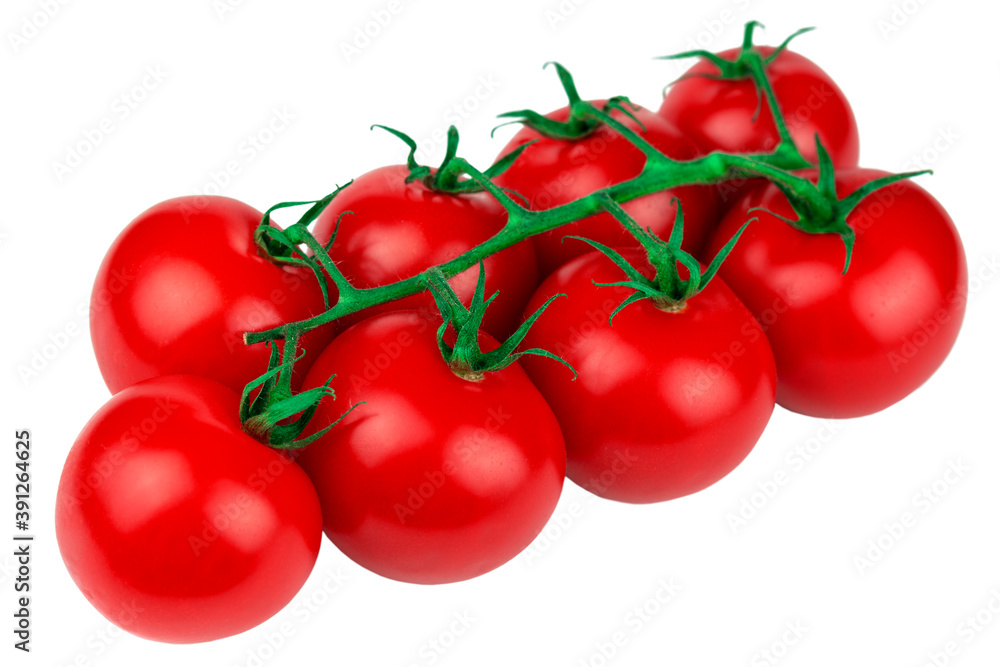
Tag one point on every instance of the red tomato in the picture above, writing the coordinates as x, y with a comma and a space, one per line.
179, 287
553, 172
400, 229
175, 524
719, 114
850, 345
436, 478
666, 403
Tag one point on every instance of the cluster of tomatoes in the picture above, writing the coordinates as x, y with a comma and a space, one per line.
168, 506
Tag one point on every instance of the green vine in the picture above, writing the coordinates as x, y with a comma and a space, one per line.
660, 173
817, 207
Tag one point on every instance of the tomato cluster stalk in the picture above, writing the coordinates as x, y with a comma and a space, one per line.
817, 206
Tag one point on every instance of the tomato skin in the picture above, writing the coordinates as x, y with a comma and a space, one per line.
851, 345
665, 404
179, 287
553, 172
436, 479
398, 230
719, 115
176, 525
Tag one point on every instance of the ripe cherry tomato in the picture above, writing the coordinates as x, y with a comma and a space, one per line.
553, 172
666, 403
730, 115
850, 345
179, 287
176, 525
436, 478
400, 229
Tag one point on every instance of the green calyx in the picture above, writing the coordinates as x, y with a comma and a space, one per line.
580, 122
267, 404
831, 216
668, 289
285, 246
465, 357
744, 65
446, 178
266, 416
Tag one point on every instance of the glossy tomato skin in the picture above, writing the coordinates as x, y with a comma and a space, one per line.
552, 172
720, 115
436, 479
179, 287
666, 403
851, 345
176, 525
397, 230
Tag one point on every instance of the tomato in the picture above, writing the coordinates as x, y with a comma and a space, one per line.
179, 287
436, 478
553, 172
850, 345
666, 403
176, 525
730, 116
398, 230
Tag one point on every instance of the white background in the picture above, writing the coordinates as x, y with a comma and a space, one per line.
927, 87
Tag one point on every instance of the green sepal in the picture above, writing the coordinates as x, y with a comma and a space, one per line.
667, 288
832, 220
466, 357
578, 124
282, 246
445, 178
738, 67
262, 415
